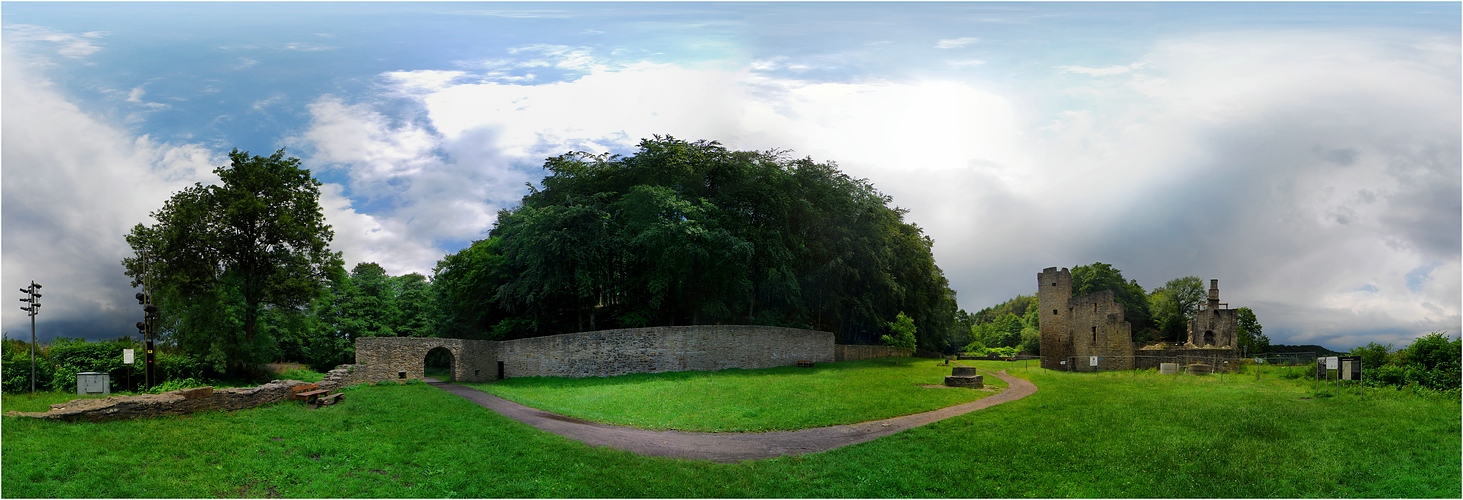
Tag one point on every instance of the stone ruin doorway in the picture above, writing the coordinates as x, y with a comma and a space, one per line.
439, 364
1208, 337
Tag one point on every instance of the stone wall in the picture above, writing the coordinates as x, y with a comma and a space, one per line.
848, 352
1053, 291
1150, 358
169, 403
593, 354
1098, 328
404, 358
662, 349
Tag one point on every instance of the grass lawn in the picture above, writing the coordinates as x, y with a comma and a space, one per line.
734, 400
1080, 435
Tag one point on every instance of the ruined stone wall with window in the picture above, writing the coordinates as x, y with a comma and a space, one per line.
1075, 328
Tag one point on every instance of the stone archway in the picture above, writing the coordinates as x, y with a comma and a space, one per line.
440, 364
405, 358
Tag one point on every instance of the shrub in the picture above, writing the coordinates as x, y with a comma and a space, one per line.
901, 333
15, 367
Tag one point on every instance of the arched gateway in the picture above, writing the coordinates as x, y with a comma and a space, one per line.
595, 354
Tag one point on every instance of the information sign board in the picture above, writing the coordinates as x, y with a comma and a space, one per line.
1259, 361
126, 356
1092, 361
1332, 363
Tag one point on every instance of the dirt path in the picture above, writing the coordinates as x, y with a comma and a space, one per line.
729, 446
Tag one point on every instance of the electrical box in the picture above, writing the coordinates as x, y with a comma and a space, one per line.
93, 383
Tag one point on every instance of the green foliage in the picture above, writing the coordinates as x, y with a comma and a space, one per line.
1014, 324
368, 303
1430, 363
1173, 306
1099, 276
1373, 355
465, 286
692, 233
302, 374
176, 384
901, 333
226, 262
416, 306
1250, 335
15, 366
1004, 352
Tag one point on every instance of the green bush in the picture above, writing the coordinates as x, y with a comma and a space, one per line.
15, 367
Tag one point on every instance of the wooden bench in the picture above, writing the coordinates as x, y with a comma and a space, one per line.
311, 397
805, 363
329, 399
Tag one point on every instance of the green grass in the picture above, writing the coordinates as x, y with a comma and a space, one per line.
1080, 435
38, 401
735, 400
301, 374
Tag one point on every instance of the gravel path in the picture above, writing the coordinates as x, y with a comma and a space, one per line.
729, 446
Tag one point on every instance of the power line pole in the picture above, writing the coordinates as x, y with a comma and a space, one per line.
34, 299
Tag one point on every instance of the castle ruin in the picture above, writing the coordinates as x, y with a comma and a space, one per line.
1073, 329
1215, 324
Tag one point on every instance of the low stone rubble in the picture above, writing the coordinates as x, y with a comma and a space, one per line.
177, 402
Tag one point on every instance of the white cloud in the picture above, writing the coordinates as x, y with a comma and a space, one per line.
424, 189
65, 44
307, 47
955, 43
1103, 71
1293, 168
73, 186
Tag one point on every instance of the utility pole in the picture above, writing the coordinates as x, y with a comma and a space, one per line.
34, 299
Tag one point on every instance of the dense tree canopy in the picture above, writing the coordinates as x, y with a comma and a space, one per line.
229, 261
1099, 276
692, 233
1173, 305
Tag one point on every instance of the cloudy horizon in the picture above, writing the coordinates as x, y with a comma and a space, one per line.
1305, 155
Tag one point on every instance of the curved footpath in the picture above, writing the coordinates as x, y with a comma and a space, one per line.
729, 446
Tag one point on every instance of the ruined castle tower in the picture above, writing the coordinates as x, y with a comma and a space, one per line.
1215, 325
1075, 328
1054, 290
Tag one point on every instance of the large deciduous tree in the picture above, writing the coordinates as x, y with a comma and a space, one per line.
1249, 334
219, 256
1174, 304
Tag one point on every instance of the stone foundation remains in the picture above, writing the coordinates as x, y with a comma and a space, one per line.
964, 376
168, 403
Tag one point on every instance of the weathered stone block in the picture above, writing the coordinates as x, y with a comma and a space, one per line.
973, 381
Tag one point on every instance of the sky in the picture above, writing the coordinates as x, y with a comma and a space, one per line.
1306, 155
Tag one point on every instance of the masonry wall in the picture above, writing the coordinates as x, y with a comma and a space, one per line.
1224, 323
401, 358
1054, 289
849, 352
662, 349
1150, 358
1098, 328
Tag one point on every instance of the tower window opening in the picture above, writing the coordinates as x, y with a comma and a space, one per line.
1054, 312
1094, 334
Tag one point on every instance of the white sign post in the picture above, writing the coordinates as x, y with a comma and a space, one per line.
127, 360
1092, 361
1332, 363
